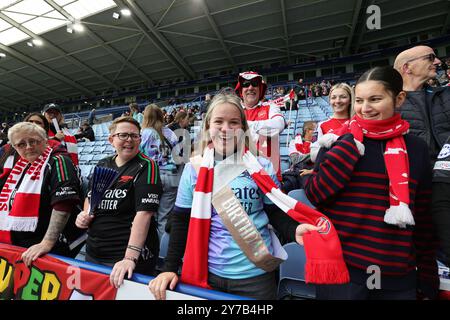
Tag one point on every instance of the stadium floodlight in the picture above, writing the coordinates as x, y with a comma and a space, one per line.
2, 55
78, 27
125, 12
37, 42
75, 26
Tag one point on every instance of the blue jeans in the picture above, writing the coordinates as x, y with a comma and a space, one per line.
263, 287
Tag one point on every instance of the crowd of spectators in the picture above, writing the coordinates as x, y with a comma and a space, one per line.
390, 130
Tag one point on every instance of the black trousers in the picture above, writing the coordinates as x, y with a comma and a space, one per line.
356, 291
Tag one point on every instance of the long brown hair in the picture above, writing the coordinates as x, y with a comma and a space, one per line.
181, 115
44, 120
154, 118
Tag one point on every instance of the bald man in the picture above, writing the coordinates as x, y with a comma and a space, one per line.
426, 109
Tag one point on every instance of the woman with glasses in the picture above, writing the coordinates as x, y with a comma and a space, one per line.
40, 191
36, 118
121, 229
157, 143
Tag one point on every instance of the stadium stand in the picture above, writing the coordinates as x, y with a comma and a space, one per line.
108, 71
292, 283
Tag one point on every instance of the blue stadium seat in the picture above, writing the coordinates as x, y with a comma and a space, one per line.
104, 142
284, 137
284, 151
85, 159
96, 158
85, 170
292, 283
85, 150
109, 149
299, 195
99, 149
284, 163
90, 143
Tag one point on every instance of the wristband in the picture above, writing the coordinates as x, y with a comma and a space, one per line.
135, 248
135, 260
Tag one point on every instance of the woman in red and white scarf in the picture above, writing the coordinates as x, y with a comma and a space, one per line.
36, 201
372, 179
37, 118
199, 233
340, 98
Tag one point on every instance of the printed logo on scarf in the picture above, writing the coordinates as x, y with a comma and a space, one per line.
323, 222
445, 152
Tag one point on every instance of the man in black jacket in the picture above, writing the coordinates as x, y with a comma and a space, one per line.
85, 131
426, 109
441, 201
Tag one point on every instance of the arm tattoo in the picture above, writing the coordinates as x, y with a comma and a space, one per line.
57, 223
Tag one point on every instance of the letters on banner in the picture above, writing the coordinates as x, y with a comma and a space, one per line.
49, 279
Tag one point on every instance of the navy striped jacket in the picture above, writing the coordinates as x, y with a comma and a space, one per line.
353, 192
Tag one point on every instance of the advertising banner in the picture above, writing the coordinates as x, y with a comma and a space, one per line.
49, 279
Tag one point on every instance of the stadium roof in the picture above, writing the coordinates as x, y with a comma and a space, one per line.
45, 56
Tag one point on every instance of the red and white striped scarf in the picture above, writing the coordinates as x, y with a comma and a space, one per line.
23, 214
395, 158
325, 263
71, 144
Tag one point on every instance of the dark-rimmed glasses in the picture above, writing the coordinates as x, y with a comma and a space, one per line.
125, 135
430, 57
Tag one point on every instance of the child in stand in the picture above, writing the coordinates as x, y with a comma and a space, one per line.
212, 256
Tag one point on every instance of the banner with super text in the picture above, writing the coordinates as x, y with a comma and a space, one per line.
49, 279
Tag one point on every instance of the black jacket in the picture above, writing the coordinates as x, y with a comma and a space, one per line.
428, 113
87, 133
440, 206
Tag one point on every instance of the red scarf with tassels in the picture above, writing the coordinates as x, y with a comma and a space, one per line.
324, 259
395, 159
19, 204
